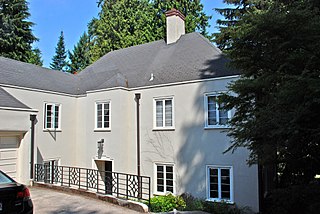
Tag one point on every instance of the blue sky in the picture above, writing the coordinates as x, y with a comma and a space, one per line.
72, 16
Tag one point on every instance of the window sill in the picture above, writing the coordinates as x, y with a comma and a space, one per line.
163, 129
163, 193
102, 130
216, 127
52, 130
219, 200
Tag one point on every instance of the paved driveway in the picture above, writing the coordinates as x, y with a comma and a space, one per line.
48, 201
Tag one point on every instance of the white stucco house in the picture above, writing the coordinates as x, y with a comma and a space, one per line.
181, 129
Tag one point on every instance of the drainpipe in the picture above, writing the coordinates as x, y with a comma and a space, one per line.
137, 98
33, 119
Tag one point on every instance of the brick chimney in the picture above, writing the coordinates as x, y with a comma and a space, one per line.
175, 25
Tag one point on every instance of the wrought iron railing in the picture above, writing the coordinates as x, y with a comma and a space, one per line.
120, 185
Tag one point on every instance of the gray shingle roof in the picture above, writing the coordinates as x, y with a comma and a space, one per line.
7, 100
22, 74
192, 57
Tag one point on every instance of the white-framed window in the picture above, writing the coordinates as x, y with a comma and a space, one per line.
215, 116
52, 115
164, 178
163, 113
220, 183
103, 119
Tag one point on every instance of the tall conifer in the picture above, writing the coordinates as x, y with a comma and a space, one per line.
59, 59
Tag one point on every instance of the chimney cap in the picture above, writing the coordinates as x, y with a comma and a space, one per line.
175, 12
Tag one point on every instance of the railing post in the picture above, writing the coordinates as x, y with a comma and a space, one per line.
62, 176
97, 181
118, 185
127, 189
52, 173
149, 190
87, 178
79, 177
69, 175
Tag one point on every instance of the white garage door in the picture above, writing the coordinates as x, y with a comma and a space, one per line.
8, 155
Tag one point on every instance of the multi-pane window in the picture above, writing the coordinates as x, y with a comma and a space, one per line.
219, 183
52, 116
164, 113
102, 115
215, 115
165, 182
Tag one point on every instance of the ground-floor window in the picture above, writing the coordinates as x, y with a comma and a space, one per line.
164, 178
219, 183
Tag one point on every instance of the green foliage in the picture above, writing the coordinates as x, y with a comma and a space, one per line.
59, 59
35, 57
224, 208
196, 19
121, 24
276, 48
196, 204
166, 203
16, 36
125, 23
295, 199
79, 57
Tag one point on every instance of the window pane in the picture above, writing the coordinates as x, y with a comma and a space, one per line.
214, 194
223, 115
160, 168
225, 195
169, 168
56, 117
169, 188
159, 114
168, 112
99, 115
225, 172
160, 188
212, 119
49, 116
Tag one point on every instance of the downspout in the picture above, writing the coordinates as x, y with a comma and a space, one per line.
137, 98
33, 119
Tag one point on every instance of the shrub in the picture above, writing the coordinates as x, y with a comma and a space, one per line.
302, 199
166, 203
193, 204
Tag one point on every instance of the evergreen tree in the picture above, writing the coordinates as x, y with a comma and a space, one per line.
79, 57
124, 23
34, 57
276, 48
121, 23
59, 59
16, 36
196, 19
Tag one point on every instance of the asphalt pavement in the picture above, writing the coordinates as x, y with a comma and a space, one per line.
47, 201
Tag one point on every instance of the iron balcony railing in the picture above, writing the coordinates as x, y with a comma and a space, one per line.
120, 185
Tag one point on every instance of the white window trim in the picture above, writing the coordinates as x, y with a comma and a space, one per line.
45, 116
207, 126
96, 115
155, 114
231, 201
155, 178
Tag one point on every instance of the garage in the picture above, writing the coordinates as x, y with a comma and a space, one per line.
9, 154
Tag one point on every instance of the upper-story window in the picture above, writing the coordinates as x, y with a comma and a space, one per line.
214, 114
52, 116
163, 113
103, 115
